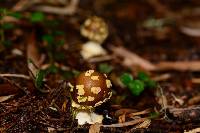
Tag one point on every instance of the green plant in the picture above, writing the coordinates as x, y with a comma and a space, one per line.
37, 17
105, 68
137, 86
6, 26
53, 42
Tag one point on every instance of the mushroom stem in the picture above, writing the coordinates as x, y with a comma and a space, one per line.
91, 49
88, 116
85, 114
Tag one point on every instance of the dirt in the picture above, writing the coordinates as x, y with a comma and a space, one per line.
151, 29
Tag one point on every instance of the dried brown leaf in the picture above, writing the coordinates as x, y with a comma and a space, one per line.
33, 54
122, 118
4, 98
95, 128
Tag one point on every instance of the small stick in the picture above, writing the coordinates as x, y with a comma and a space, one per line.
101, 58
67, 10
129, 123
13, 83
179, 65
196, 80
15, 75
131, 59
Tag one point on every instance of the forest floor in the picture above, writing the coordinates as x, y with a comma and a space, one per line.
157, 42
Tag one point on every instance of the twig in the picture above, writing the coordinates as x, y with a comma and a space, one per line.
162, 77
101, 58
146, 111
131, 59
179, 65
178, 100
15, 75
196, 80
161, 8
67, 10
24, 4
190, 114
190, 31
129, 123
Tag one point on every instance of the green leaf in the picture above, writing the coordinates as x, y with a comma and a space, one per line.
7, 26
67, 74
126, 78
76, 72
3, 10
52, 69
151, 84
37, 17
59, 56
58, 33
105, 68
136, 87
52, 23
39, 79
49, 38
154, 115
7, 43
16, 15
143, 76
61, 42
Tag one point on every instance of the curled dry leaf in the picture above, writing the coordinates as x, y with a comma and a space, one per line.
194, 100
95, 128
33, 54
122, 118
4, 98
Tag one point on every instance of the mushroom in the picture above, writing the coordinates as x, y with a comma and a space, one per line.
96, 30
91, 89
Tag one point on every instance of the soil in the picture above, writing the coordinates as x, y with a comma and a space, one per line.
154, 30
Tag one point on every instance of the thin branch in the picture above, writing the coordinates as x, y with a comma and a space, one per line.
179, 65
67, 10
131, 59
129, 123
15, 76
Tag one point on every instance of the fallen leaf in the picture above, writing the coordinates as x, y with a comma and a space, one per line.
95, 128
33, 54
4, 98
122, 118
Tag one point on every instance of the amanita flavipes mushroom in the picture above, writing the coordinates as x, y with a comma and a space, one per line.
91, 89
96, 30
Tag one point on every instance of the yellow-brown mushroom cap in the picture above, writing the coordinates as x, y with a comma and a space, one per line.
91, 89
95, 29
